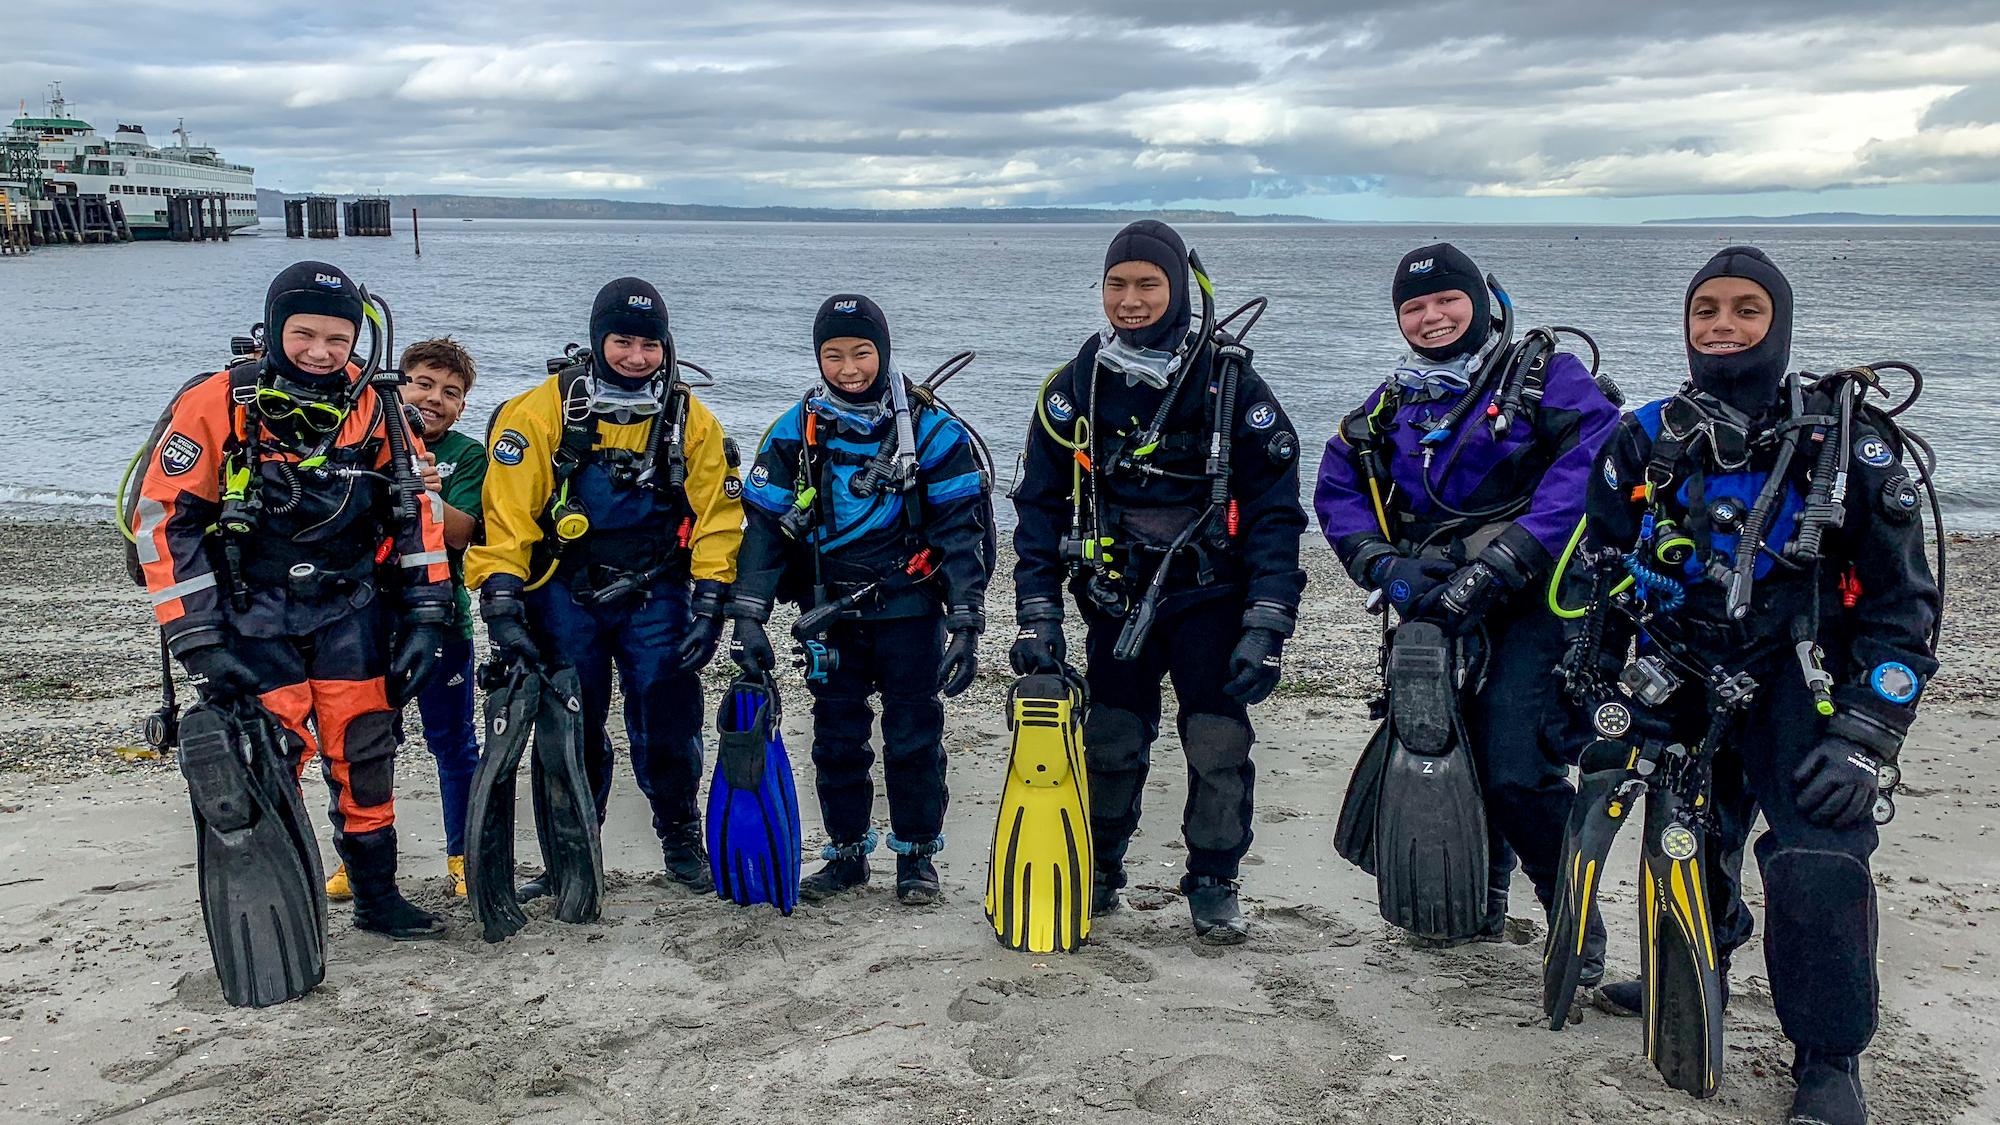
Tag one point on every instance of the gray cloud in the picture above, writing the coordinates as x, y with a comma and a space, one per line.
1040, 101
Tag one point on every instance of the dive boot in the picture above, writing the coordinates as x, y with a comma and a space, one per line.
846, 868
1218, 920
1104, 894
917, 881
1628, 997
1829, 1090
537, 887
687, 861
379, 907
338, 889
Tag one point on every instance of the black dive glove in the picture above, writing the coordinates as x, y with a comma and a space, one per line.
218, 673
750, 647
418, 651
1255, 665
1039, 646
1462, 603
1407, 581
1837, 784
506, 617
704, 630
961, 653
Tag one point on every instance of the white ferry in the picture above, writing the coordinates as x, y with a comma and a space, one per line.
127, 168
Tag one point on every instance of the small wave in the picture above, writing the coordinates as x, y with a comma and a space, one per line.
55, 497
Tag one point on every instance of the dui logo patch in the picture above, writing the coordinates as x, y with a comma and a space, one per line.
178, 454
510, 447
1060, 407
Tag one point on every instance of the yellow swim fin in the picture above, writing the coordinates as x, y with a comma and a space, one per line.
1039, 878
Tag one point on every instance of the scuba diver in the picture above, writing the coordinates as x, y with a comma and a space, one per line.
1161, 478
1762, 622
1448, 495
869, 506
613, 515
298, 575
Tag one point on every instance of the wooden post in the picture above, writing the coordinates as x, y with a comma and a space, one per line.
416, 239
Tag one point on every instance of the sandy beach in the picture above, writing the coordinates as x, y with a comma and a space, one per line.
682, 1008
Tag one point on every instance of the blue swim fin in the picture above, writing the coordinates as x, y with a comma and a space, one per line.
753, 803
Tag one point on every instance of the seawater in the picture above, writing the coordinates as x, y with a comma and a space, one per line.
94, 339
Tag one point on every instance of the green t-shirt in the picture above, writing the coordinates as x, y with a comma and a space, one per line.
461, 461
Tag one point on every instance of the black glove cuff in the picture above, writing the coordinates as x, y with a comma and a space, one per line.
1515, 556
965, 619
1361, 566
500, 602
1030, 610
1274, 616
194, 640
743, 607
428, 613
709, 598
1867, 732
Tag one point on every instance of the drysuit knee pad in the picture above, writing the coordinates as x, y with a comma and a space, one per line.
1820, 947
1216, 744
1218, 754
1114, 740
371, 758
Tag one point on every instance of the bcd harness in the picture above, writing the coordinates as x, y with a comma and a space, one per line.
890, 471
1696, 433
1106, 541
569, 541
1516, 375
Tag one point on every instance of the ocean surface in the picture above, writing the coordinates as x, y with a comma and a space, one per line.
94, 339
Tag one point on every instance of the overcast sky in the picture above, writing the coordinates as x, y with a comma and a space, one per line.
1431, 110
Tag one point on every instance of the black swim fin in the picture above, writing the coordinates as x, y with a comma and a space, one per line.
513, 699
1606, 793
258, 863
565, 807
1430, 828
1680, 974
1354, 834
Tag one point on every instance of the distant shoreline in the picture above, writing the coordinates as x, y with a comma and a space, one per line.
1832, 219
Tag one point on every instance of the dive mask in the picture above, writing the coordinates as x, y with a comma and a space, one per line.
1430, 382
859, 418
624, 405
286, 401
1684, 419
1150, 366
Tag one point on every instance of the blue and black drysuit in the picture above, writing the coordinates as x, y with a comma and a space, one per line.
1869, 601
1385, 496
811, 539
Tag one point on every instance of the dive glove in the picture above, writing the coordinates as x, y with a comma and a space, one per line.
1257, 662
1039, 646
961, 653
218, 673
506, 617
750, 647
1837, 784
1406, 581
418, 652
704, 630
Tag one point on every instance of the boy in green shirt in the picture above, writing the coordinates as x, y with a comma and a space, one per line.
440, 376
